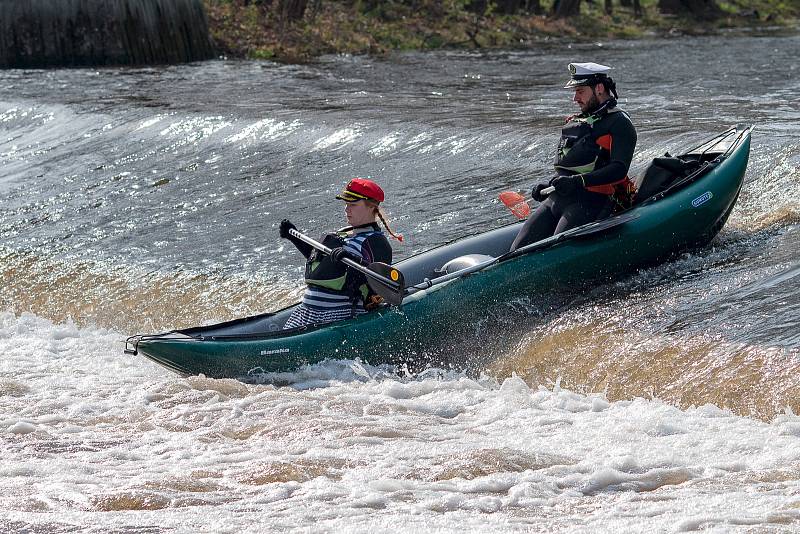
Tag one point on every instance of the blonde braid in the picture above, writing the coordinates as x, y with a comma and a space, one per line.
381, 216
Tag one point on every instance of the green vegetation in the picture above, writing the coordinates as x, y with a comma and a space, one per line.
298, 30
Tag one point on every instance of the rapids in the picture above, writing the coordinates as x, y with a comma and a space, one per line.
139, 200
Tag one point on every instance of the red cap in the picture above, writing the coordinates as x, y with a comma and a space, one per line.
361, 189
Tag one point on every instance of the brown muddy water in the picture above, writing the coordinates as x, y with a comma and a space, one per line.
137, 200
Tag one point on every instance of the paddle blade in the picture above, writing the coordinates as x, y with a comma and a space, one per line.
394, 293
516, 203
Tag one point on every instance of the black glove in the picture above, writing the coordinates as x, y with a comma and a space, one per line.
567, 185
286, 225
339, 253
536, 194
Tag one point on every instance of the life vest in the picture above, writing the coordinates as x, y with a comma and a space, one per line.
322, 271
331, 275
580, 151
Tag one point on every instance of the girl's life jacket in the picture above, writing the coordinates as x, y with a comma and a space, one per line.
327, 279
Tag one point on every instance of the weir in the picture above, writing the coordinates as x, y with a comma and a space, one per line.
47, 33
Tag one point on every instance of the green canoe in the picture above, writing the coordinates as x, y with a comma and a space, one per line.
458, 283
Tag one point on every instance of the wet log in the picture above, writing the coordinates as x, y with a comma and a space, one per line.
48, 33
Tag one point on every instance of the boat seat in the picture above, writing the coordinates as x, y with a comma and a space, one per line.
662, 173
462, 262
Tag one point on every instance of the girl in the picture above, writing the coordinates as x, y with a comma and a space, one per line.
335, 292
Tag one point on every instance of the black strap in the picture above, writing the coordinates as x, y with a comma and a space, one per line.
372, 225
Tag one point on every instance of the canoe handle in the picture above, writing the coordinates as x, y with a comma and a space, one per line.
132, 345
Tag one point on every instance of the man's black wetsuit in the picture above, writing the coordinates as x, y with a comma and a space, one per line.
599, 147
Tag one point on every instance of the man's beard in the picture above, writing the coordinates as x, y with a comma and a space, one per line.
591, 105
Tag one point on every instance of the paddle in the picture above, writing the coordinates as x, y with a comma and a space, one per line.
384, 279
580, 231
517, 203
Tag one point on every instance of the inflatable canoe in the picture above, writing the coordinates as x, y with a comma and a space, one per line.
683, 204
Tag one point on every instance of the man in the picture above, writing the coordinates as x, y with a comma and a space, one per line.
592, 160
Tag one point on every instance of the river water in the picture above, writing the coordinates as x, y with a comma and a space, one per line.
139, 200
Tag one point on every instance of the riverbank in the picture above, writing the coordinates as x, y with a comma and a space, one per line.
260, 32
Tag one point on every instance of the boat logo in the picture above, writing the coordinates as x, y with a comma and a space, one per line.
702, 199
274, 351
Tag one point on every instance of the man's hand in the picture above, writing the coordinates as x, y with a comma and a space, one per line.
286, 225
567, 185
537, 194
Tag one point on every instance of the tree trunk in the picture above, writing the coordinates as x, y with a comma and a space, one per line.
508, 7
609, 7
505, 7
566, 8
637, 8
533, 6
703, 9
293, 9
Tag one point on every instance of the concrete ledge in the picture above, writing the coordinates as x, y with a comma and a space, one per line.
47, 33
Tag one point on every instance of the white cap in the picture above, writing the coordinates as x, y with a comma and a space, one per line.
585, 73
